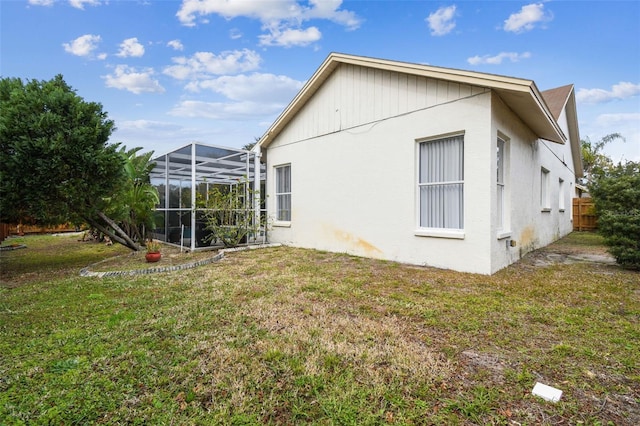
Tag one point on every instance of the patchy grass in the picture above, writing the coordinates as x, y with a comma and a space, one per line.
50, 256
581, 242
289, 336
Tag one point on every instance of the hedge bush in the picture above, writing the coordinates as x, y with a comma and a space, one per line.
616, 194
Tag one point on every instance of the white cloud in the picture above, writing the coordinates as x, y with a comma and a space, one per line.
225, 110
264, 11
290, 37
497, 59
330, 9
84, 45
162, 136
609, 119
235, 34
132, 127
131, 47
128, 78
528, 17
441, 21
79, 4
176, 45
255, 96
205, 64
622, 90
266, 88
268, 12
282, 20
625, 123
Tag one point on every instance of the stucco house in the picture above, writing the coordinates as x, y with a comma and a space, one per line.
422, 165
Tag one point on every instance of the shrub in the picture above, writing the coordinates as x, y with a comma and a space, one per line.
229, 214
616, 194
153, 246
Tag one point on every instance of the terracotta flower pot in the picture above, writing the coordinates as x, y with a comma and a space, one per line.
153, 257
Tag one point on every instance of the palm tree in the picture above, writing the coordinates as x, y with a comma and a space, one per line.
134, 205
593, 160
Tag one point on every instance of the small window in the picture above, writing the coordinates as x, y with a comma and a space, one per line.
500, 184
561, 195
545, 201
441, 183
283, 193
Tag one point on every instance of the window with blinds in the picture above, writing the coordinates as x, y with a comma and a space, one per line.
500, 184
441, 183
283, 193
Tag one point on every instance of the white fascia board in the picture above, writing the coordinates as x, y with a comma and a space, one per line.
542, 105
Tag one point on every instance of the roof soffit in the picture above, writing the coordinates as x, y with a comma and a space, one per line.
574, 133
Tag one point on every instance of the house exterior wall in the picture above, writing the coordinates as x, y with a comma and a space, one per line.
531, 225
355, 190
354, 95
353, 152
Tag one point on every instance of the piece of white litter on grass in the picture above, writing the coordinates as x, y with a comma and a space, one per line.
547, 392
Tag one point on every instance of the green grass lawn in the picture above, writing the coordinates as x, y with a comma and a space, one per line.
291, 336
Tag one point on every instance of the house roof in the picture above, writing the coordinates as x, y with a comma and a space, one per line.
521, 95
559, 99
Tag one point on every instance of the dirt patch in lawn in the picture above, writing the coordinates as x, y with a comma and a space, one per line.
547, 257
574, 248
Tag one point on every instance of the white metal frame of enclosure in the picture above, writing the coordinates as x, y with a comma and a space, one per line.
197, 163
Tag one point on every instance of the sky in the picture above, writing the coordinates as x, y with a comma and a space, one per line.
221, 71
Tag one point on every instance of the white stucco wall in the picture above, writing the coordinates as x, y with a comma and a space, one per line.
355, 191
353, 153
531, 226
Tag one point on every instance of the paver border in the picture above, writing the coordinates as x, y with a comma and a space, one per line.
86, 272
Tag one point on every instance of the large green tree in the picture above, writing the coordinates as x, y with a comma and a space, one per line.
55, 161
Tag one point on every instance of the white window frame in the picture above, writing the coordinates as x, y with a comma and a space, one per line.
446, 177
545, 190
502, 186
282, 194
561, 195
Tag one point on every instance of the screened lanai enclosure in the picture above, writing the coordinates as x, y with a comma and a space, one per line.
208, 193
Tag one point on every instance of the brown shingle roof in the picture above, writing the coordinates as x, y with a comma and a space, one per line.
556, 99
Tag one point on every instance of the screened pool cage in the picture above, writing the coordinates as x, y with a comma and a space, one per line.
186, 179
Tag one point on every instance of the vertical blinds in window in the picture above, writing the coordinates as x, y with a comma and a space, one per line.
283, 193
441, 183
500, 183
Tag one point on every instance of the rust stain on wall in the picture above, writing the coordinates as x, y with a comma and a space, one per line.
355, 243
527, 240
527, 236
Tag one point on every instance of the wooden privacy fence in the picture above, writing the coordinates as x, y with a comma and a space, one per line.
7, 229
584, 215
4, 231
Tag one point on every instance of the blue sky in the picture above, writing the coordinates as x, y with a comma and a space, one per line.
220, 71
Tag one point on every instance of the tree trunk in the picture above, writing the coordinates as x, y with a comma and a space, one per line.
130, 243
127, 242
97, 225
